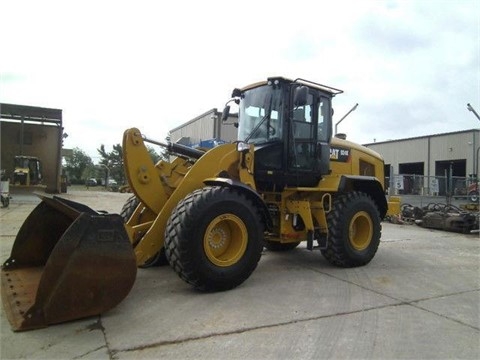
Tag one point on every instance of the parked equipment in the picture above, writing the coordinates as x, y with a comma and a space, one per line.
472, 192
443, 217
4, 189
28, 170
209, 213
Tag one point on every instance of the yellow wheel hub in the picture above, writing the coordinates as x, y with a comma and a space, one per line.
360, 231
225, 240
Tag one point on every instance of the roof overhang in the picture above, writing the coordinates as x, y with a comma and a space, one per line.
31, 114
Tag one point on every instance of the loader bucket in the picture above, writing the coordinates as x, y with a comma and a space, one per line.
67, 262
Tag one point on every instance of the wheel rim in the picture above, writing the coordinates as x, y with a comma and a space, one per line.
225, 240
360, 231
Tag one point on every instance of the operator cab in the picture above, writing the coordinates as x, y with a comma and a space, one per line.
290, 124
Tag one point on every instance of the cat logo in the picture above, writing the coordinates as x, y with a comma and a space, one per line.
339, 154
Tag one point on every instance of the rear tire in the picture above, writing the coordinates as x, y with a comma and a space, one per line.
354, 230
159, 259
214, 238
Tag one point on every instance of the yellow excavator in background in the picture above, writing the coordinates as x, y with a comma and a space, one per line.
209, 213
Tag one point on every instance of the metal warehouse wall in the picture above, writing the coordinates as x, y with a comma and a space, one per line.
228, 131
462, 145
204, 127
402, 151
200, 128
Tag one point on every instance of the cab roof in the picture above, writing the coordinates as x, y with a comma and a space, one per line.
331, 90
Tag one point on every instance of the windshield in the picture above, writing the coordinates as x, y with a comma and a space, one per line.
21, 162
260, 115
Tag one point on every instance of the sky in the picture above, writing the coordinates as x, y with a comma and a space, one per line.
412, 66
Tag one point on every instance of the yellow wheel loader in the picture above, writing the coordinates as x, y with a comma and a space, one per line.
209, 213
28, 170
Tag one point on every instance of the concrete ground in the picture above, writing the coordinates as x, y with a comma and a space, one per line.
419, 298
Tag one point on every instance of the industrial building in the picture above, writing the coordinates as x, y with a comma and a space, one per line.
420, 165
34, 132
206, 128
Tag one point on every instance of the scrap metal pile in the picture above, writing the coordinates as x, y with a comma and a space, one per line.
443, 217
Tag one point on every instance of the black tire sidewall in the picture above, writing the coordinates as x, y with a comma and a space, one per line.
200, 271
250, 223
129, 208
344, 211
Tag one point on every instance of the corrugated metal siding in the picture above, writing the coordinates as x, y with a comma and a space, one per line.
228, 132
405, 151
206, 126
452, 147
200, 128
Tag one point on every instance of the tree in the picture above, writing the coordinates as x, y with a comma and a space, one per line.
163, 155
156, 157
113, 161
77, 166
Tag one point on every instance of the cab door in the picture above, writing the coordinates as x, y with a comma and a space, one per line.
308, 141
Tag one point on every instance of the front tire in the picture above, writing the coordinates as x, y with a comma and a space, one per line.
354, 230
214, 238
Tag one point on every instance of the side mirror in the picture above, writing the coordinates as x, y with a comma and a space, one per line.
225, 113
300, 96
236, 93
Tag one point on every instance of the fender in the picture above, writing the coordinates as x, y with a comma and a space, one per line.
369, 185
249, 193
